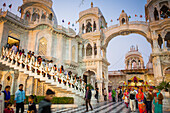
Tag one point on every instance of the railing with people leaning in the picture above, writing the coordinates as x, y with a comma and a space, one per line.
32, 67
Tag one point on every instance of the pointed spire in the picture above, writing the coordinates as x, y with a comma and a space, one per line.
91, 4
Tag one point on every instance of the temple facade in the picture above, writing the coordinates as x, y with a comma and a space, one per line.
82, 55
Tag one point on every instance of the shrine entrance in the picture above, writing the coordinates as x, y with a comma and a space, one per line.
136, 82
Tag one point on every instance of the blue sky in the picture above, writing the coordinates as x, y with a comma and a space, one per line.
111, 9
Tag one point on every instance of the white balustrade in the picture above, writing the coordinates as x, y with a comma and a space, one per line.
31, 67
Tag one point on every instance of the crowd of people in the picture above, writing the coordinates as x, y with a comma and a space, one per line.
148, 101
20, 101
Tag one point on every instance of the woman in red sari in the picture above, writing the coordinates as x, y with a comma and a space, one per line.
141, 105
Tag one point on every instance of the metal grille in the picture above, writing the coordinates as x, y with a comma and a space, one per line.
43, 47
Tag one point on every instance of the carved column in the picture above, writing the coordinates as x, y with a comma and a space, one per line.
93, 51
163, 39
98, 48
99, 85
155, 42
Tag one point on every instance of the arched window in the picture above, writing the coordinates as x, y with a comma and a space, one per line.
134, 66
123, 20
88, 27
82, 28
160, 41
42, 47
156, 16
73, 54
50, 16
43, 16
165, 12
167, 40
94, 26
88, 50
27, 15
35, 16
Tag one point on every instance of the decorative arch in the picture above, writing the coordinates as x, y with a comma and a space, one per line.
167, 40
139, 27
42, 49
73, 54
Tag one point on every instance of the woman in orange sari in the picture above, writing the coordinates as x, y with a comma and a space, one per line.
141, 105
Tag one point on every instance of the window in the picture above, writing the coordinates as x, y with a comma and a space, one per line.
164, 12
42, 46
35, 16
88, 27
156, 16
88, 50
160, 41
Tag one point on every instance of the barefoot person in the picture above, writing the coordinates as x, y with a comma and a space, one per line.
87, 97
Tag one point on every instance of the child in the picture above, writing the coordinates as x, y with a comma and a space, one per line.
31, 105
45, 105
8, 108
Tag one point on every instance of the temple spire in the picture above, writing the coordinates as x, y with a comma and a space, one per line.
91, 4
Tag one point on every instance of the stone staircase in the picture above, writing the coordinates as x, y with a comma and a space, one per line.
54, 79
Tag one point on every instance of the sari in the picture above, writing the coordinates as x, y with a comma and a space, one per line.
141, 105
126, 98
158, 107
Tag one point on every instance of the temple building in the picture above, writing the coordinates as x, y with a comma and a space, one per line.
135, 73
79, 59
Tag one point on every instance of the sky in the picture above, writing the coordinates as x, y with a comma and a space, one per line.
111, 9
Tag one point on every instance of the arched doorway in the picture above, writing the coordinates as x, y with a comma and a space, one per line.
89, 78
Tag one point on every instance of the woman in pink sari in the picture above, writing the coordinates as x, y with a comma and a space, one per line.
141, 105
110, 96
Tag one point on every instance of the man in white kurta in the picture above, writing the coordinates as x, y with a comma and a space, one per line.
1, 100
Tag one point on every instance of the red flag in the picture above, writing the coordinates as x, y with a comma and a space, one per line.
10, 5
68, 23
135, 15
4, 4
106, 24
140, 16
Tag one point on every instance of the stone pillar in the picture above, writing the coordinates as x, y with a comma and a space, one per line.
157, 68
13, 80
163, 39
99, 85
80, 51
30, 16
106, 86
35, 86
155, 42
98, 48
85, 53
92, 51
29, 86
3, 34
